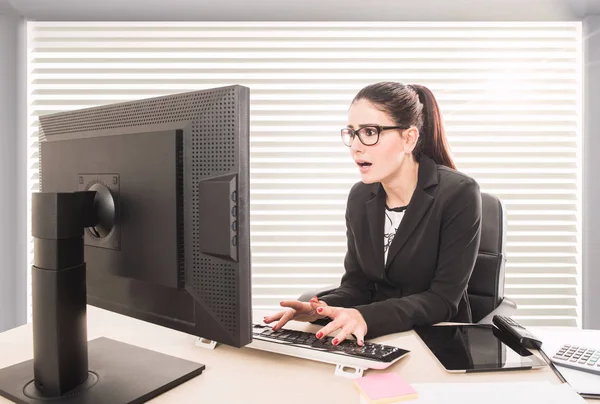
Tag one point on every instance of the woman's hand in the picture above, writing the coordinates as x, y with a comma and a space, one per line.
296, 310
348, 321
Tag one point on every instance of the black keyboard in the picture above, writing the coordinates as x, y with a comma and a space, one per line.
369, 351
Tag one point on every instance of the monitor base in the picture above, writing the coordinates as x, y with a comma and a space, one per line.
124, 373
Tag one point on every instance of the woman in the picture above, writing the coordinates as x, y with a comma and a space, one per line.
413, 223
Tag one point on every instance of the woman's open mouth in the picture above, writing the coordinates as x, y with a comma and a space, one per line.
363, 166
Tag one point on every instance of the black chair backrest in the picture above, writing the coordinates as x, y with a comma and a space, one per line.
486, 286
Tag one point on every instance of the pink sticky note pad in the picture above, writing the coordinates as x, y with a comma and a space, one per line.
385, 388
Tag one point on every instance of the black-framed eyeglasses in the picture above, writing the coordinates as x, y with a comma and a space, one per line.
368, 135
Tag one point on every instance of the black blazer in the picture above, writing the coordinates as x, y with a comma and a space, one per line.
429, 262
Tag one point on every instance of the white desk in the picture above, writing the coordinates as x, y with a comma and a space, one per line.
250, 376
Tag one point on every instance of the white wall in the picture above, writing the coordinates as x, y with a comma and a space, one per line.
311, 10
591, 179
5, 7
13, 248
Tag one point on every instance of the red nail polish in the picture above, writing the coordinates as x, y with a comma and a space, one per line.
335, 341
319, 334
320, 310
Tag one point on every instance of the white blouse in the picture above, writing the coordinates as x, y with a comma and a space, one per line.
393, 217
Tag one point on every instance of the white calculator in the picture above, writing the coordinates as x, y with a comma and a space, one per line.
578, 357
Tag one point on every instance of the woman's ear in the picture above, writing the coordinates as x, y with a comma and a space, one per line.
411, 136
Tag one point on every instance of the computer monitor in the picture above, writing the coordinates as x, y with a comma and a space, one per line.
170, 238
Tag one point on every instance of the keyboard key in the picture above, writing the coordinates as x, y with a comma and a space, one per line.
578, 357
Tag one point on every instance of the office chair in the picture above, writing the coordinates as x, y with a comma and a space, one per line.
486, 286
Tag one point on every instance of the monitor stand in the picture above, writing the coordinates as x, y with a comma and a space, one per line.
65, 367
118, 373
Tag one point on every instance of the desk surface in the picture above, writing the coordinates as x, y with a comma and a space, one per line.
247, 375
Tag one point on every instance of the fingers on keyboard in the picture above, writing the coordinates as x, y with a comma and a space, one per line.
287, 316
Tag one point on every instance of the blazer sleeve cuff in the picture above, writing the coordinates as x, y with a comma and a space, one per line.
337, 299
378, 324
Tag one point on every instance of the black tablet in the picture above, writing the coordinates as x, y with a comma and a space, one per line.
476, 348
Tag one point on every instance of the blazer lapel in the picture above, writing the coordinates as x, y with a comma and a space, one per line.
375, 215
418, 206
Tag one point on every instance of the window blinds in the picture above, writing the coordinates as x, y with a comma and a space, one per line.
510, 94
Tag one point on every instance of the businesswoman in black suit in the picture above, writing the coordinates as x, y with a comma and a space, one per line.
413, 222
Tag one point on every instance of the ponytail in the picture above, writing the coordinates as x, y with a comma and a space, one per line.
432, 137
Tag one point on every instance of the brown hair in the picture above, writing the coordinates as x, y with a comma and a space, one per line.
413, 105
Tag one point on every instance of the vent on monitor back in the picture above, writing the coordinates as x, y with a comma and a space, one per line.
215, 281
128, 114
213, 135
180, 211
214, 150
